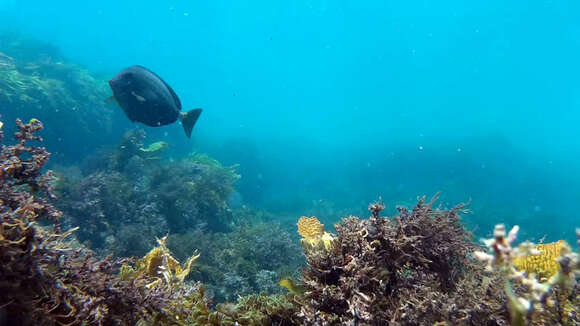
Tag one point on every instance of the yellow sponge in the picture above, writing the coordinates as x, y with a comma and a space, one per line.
310, 227
313, 235
543, 265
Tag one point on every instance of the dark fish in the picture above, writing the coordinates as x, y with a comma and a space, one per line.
146, 98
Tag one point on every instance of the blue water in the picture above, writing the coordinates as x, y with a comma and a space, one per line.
327, 105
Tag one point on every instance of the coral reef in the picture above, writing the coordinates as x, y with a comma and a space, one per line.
413, 269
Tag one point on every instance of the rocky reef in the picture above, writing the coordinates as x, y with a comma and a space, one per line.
131, 195
134, 197
420, 267
37, 81
50, 279
250, 259
46, 279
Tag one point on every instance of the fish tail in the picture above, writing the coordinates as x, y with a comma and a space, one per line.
188, 120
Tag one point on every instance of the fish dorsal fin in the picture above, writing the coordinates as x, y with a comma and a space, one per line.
173, 94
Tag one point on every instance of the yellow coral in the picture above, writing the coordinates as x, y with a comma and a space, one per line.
310, 227
543, 265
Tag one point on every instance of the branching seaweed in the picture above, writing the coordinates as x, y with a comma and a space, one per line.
412, 269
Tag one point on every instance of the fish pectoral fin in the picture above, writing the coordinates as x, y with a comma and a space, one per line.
188, 120
138, 97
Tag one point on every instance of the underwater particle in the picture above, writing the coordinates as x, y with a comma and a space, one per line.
146, 98
459, 149
186, 14
420, 147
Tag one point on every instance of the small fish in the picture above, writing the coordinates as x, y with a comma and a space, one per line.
146, 98
158, 146
153, 151
292, 286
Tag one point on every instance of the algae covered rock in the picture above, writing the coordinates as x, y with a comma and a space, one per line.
124, 205
37, 81
247, 260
